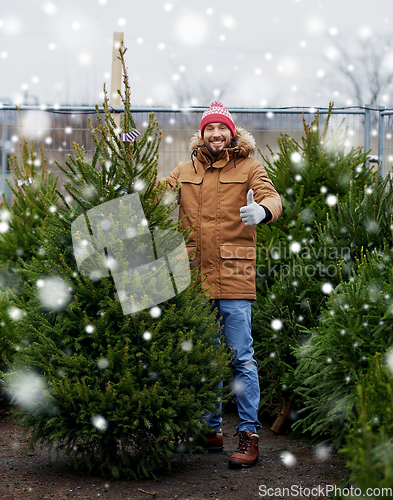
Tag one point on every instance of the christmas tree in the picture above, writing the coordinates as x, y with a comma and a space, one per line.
18, 235
296, 268
361, 222
369, 447
356, 324
118, 378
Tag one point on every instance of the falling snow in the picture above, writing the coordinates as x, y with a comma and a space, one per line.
54, 293
327, 288
288, 459
322, 452
27, 389
295, 247
146, 336
389, 361
15, 313
276, 324
99, 423
103, 363
331, 200
155, 312
187, 345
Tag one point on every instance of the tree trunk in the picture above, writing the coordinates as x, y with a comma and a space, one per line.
283, 416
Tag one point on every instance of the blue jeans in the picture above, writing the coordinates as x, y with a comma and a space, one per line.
236, 322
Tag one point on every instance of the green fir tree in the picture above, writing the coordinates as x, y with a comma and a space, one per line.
123, 393
296, 268
18, 237
356, 324
369, 447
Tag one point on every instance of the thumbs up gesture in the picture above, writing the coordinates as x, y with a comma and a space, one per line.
252, 214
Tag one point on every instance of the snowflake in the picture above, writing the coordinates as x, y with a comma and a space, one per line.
4, 227
238, 387
27, 388
99, 422
276, 324
288, 459
327, 288
331, 200
295, 247
139, 185
5, 215
103, 364
15, 313
372, 226
322, 452
110, 263
296, 157
146, 336
389, 361
155, 312
229, 22
187, 345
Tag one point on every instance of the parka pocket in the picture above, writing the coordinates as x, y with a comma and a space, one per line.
230, 179
230, 251
190, 186
190, 178
233, 193
238, 266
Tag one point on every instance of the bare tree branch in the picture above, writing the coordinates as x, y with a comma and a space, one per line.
361, 71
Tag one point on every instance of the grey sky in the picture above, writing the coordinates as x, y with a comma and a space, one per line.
272, 52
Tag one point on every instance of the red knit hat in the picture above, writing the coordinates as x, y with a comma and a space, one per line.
217, 114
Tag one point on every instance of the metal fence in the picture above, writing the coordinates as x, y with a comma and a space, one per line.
57, 128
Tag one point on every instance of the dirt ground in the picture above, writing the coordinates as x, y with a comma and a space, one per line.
33, 476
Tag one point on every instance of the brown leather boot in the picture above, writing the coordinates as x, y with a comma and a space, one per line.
213, 441
247, 453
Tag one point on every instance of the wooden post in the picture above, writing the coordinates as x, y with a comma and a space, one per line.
114, 99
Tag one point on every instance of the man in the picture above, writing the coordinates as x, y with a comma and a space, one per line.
224, 194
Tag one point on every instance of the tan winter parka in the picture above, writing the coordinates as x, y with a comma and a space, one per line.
211, 194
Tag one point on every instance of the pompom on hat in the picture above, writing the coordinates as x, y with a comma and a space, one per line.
217, 114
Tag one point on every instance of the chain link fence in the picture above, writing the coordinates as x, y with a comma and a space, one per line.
56, 129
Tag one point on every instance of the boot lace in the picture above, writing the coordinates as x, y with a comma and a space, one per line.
244, 442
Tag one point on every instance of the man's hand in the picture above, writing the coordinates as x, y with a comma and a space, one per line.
253, 213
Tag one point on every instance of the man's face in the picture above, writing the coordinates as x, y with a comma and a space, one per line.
217, 136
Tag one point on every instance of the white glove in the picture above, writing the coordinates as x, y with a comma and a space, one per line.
253, 213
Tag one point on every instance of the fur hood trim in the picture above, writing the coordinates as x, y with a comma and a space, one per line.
245, 142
